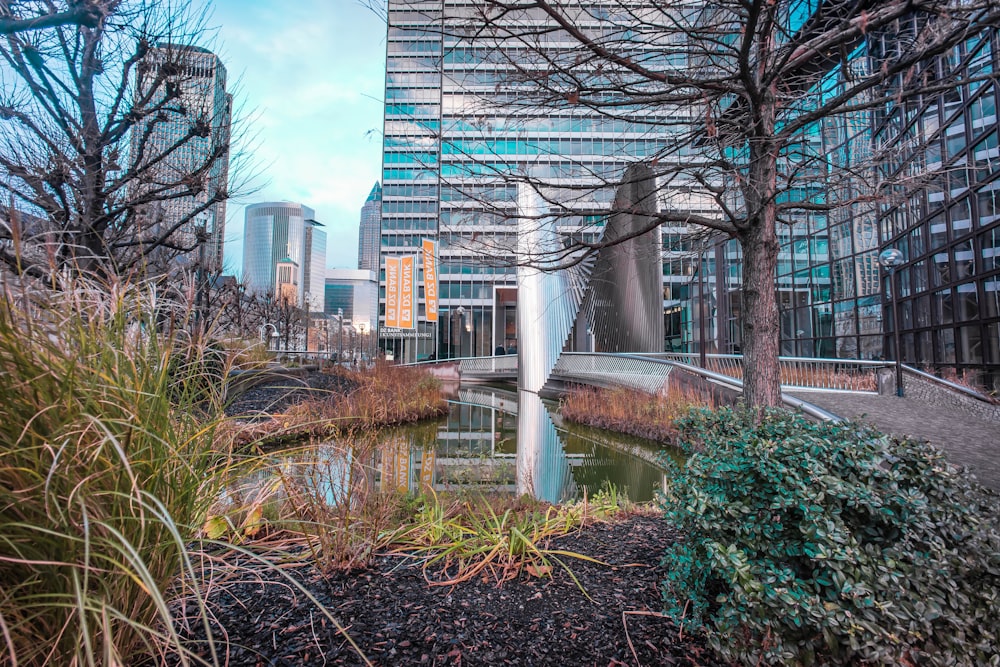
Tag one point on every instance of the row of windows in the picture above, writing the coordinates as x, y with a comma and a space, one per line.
394, 207
407, 190
410, 158
565, 124
570, 146
407, 224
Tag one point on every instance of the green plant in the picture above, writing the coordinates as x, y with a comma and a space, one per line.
829, 543
481, 536
106, 470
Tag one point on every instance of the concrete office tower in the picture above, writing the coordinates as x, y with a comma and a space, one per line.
277, 232
448, 142
368, 233
200, 166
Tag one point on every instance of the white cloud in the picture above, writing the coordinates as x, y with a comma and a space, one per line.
313, 71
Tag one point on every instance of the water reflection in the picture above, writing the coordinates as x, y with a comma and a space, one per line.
514, 442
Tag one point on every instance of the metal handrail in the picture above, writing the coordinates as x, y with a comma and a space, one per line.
951, 385
734, 383
811, 373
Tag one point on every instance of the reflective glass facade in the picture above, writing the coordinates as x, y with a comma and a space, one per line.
201, 79
450, 147
949, 231
274, 231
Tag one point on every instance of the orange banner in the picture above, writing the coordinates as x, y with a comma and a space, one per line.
392, 291
407, 290
430, 280
427, 460
401, 473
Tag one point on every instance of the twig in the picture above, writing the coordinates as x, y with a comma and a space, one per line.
628, 638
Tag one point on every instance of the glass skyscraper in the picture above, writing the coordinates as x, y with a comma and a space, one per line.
200, 119
278, 231
452, 148
369, 230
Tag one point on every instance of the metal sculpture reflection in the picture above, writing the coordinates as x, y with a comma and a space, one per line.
543, 471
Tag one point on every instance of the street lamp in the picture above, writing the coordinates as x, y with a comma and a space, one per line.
340, 335
891, 259
263, 329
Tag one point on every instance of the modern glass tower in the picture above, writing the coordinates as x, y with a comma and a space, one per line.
452, 148
200, 121
368, 232
278, 231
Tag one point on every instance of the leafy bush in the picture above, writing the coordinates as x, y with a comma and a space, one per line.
830, 543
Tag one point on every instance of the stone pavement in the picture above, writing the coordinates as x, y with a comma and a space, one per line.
967, 440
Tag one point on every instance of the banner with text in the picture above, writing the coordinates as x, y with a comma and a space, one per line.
430, 280
392, 291
407, 291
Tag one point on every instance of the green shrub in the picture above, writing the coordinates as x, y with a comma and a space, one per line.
106, 470
830, 543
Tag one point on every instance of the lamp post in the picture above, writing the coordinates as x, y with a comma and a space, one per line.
891, 259
263, 329
340, 335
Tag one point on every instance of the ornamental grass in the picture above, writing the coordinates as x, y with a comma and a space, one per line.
106, 468
630, 411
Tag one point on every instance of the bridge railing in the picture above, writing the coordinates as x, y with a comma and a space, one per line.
855, 375
504, 364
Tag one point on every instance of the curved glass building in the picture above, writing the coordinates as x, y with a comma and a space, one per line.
274, 231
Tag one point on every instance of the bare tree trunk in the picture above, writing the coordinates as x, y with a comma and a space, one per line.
761, 381
759, 239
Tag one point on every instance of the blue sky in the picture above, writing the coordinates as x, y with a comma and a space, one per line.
310, 75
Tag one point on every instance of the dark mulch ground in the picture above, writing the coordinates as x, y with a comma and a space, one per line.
397, 618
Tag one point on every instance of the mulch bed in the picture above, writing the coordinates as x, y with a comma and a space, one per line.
397, 618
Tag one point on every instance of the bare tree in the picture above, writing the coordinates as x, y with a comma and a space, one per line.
102, 147
24, 15
733, 91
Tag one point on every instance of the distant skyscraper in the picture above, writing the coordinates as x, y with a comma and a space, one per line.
371, 227
186, 147
285, 233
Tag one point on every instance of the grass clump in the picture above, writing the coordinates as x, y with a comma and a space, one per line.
630, 411
496, 537
106, 462
829, 544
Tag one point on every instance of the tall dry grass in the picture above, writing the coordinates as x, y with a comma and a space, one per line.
106, 471
384, 395
630, 411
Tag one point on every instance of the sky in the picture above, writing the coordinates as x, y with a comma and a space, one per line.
308, 78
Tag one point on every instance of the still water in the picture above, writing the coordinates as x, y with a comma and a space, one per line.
514, 441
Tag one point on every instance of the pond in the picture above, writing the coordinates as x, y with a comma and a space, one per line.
494, 440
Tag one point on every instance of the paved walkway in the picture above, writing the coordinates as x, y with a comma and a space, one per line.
967, 440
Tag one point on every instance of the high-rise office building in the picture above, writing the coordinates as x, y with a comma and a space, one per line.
354, 294
451, 146
186, 146
368, 232
285, 233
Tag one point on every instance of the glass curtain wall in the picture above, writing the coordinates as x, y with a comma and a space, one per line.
949, 231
